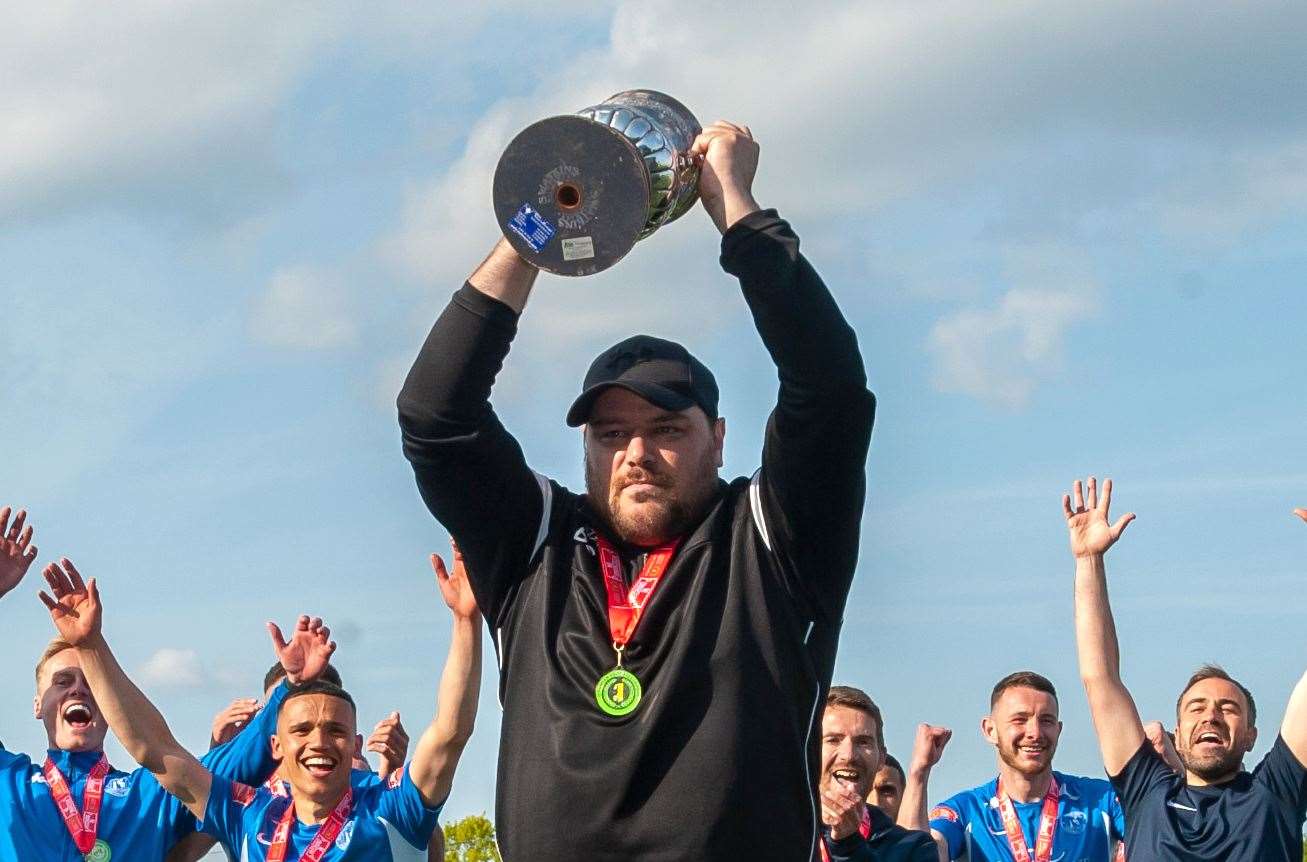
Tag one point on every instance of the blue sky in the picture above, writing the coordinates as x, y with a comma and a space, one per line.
1070, 237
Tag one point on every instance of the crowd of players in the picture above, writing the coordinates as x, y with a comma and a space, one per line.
288, 770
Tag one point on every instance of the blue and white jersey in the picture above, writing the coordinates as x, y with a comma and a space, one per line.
138, 818
388, 822
1089, 822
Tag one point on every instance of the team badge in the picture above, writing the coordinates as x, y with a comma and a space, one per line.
1074, 822
618, 692
100, 852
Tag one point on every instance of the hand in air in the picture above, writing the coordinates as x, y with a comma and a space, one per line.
728, 157
232, 720
928, 747
306, 654
74, 605
16, 549
1091, 532
1301, 513
389, 739
454, 587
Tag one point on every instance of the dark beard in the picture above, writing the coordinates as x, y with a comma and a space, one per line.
1212, 768
678, 512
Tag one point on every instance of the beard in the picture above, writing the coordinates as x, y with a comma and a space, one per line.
1010, 755
1212, 766
672, 509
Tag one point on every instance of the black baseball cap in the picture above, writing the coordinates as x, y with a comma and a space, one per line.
661, 372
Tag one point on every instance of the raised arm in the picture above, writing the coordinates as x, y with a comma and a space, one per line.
814, 455
76, 610
470, 471
441, 745
1294, 727
1116, 719
927, 749
16, 549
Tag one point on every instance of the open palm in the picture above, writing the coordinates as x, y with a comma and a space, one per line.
74, 606
1091, 533
16, 549
454, 586
305, 655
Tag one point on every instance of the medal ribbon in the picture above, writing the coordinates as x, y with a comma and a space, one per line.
1047, 825
864, 827
626, 606
321, 842
82, 826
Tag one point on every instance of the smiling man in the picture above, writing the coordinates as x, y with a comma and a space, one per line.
1215, 809
660, 633
1029, 813
852, 752
74, 803
314, 742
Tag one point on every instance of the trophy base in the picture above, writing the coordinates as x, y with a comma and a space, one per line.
571, 195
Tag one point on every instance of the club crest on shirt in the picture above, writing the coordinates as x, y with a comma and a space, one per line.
346, 833
1074, 822
119, 786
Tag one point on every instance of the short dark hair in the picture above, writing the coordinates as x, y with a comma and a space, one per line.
891, 762
1215, 671
276, 673
855, 698
319, 686
1021, 679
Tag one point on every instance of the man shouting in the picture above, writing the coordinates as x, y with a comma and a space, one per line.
666, 639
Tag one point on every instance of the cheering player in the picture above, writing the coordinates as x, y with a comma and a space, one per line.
1213, 809
667, 639
315, 741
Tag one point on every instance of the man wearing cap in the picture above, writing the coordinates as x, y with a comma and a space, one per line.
665, 640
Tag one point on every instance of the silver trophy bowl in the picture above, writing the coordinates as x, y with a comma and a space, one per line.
574, 193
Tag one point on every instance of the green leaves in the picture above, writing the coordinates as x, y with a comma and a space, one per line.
471, 839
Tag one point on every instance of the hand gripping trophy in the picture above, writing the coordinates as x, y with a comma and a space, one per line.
573, 194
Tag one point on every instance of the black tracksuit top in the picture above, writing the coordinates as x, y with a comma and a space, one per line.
736, 648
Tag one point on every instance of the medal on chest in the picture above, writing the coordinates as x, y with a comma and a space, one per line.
84, 825
619, 691
1043, 835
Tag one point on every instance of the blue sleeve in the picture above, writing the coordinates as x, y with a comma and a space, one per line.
224, 816
1116, 816
946, 819
1142, 776
248, 757
402, 806
1282, 774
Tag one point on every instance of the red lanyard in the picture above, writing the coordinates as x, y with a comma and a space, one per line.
1047, 825
82, 826
321, 842
276, 786
625, 607
864, 827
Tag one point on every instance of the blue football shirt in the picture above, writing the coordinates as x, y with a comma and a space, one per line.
1089, 822
387, 823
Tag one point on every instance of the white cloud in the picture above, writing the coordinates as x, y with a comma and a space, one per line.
171, 667
999, 354
303, 308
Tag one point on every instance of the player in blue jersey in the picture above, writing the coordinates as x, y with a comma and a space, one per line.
325, 814
45, 805
1029, 813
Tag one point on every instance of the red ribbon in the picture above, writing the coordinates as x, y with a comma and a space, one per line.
84, 825
1047, 825
321, 842
626, 606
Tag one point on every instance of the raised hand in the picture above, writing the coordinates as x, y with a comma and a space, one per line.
728, 158
1091, 532
16, 549
454, 587
232, 720
928, 747
306, 654
390, 740
74, 605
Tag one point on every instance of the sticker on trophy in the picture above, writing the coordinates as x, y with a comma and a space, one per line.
618, 692
578, 248
100, 852
529, 225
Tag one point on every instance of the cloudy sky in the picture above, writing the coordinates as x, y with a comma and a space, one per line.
1070, 237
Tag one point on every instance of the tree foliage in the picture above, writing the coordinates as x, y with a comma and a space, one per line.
471, 839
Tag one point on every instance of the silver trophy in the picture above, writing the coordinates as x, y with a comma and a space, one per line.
573, 194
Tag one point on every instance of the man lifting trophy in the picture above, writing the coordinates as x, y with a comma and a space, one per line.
666, 638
